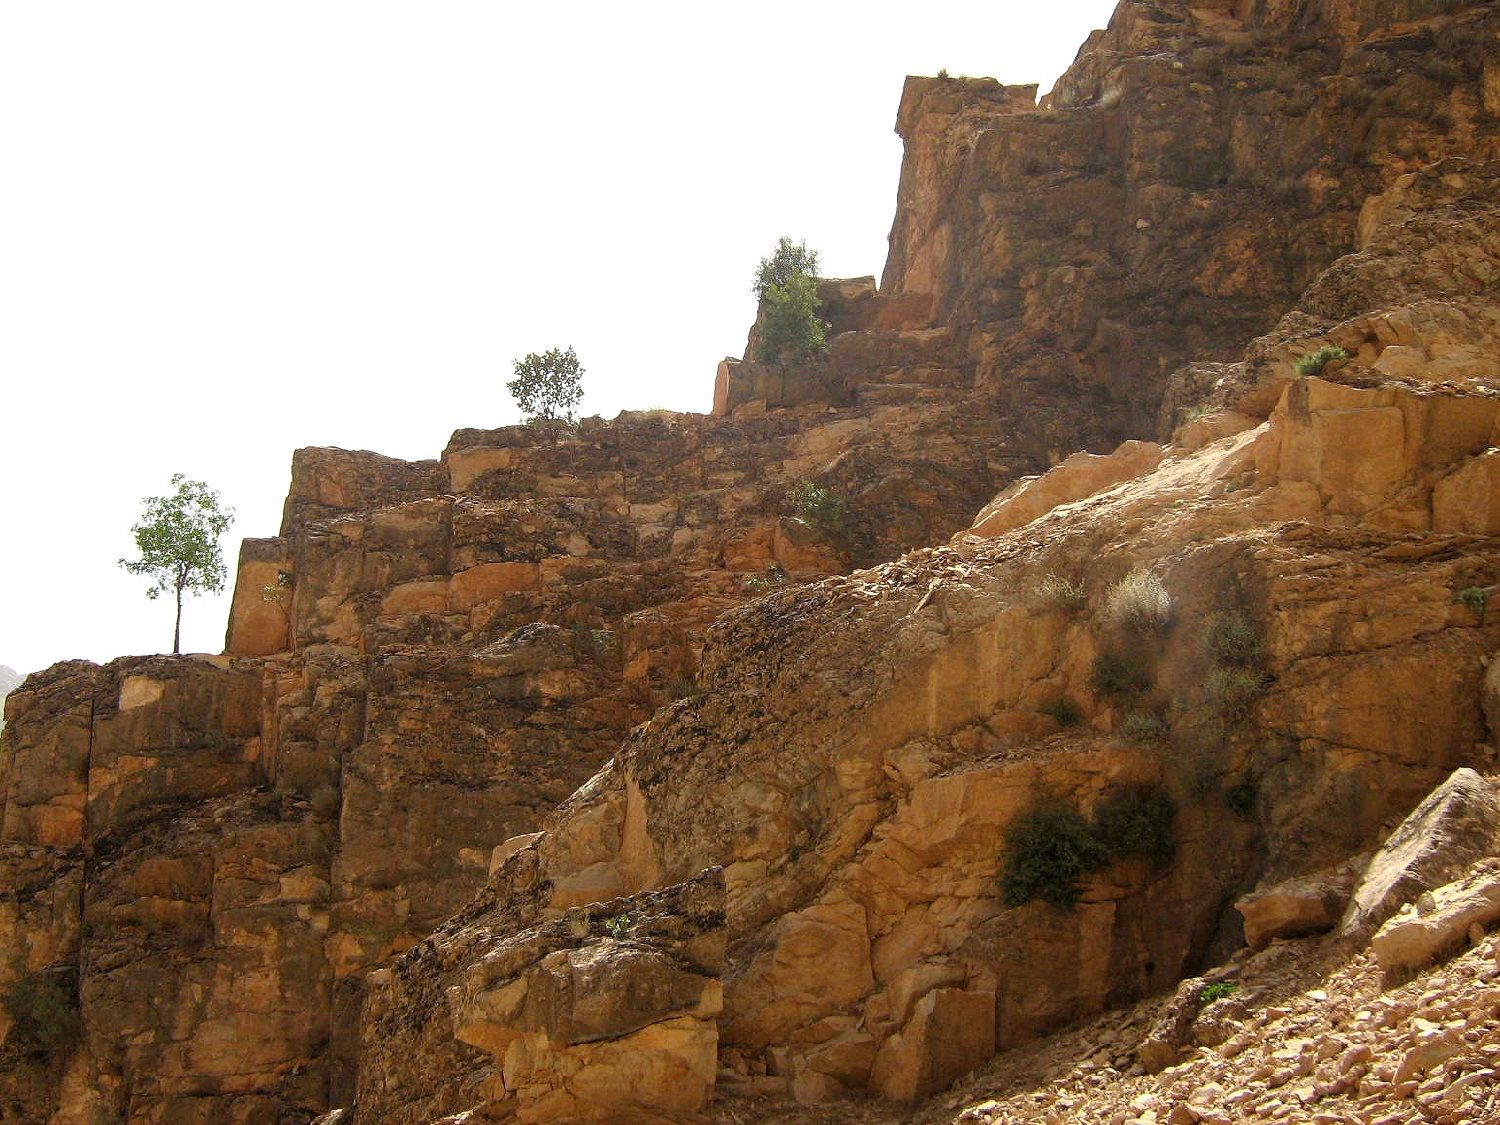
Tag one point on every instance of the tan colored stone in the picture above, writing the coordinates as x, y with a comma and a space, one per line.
488, 581
424, 595
1469, 500
1312, 904
949, 1034
1456, 824
1081, 475
1415, 937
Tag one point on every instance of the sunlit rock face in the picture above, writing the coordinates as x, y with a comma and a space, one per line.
577, 774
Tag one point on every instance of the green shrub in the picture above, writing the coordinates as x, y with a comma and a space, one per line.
817, 507
1118, 675
44, 1010
1062, 710
548, 386
1219, 990
789, 260
1145, 726
1139, 602
786, 283
1313, 362
773, 577
1231, 692
1047, 850
1233, 642
1475, 599
618, 926
1137, 823
1057, 592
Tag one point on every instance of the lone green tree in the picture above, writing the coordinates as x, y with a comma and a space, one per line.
549, 385
786, 283
178, 539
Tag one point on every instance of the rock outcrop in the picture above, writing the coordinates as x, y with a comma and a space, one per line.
577, 775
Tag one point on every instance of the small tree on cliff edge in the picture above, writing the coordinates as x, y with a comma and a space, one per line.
178, 538
786, 283
549, 385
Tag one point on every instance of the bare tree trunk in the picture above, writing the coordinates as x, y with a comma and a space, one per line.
177, 626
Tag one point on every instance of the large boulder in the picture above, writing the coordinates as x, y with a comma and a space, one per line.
1311, 904
1458, 823
1439, 924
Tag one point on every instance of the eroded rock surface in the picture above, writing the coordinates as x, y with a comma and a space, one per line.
583, 748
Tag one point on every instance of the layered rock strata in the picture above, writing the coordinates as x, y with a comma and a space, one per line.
1255, 625
795, 877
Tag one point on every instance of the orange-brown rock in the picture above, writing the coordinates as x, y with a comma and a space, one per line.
786, 866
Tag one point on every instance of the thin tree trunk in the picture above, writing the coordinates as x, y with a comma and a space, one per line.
177, 626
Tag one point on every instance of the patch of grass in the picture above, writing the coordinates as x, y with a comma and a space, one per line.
1057, 592
1219, 990
1139, 602
618, 926
1062, 710
1120, 675
44, 1010
1047, 850
680, 687
1313, 362
1137, 822
1475, 599
773, 577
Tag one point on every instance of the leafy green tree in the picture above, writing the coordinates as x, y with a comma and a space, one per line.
786, 283
178, 538
789, 260
549, 385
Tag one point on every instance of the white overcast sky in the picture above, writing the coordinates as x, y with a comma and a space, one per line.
231, 229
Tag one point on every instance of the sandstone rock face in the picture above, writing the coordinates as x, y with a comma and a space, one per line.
428, 658
584, 747
862, 808
1081, 475
1456, 825
606, 1014
1196, 167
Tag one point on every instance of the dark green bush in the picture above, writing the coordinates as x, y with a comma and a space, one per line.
1313, 362
1231, 692
818, 507
44, 1010
786, 283
1219, 990
1137, 822
1120, 675
1233, 641
1241, 798
1047, 850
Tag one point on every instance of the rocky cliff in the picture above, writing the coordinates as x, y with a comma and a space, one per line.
574, 775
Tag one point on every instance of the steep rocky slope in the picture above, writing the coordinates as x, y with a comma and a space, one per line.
254, 887
9, 679
861, 746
